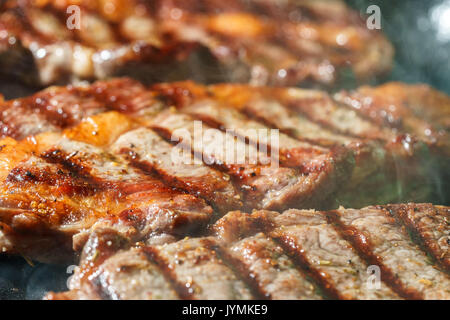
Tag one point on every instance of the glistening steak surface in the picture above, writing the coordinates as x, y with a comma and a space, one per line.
63, 188
261, 42
431, 225
116, 153
105, 162
298, 254
149, 151
384, 243
263, 182
382, 153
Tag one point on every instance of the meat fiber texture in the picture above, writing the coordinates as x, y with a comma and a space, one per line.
364, 254
78, 158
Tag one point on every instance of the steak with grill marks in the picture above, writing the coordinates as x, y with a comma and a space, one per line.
298, 254
431, 225
79, 158
242, 41
109, 169
384, 243
62, 188
382, 153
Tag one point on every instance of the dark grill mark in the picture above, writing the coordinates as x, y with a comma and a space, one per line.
294, 250
362, 244
78, 169
289, 157
426, 234
206, 187
239, 270
65, 182
181, 289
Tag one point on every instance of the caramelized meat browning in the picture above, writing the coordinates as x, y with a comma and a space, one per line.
119, 154
261, 42
384, 243
430, 224
298, 254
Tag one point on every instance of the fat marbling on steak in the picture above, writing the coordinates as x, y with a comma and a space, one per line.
258, 41
77, 158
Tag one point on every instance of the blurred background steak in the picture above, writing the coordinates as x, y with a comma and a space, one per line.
260, 42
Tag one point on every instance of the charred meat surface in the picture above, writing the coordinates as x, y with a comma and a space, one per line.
430, 224
297, 254
310, 122
63, 188
258, 42
385, 243
118, 153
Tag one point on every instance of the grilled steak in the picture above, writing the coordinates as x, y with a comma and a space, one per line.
430, 224
261, 42
383, 242
118, 154
294, 255
70, 187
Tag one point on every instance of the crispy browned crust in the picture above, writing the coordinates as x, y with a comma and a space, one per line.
430, 224
80, 157
242, 41
384, 242
80, 170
